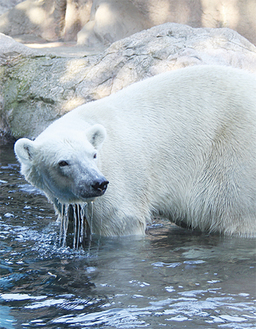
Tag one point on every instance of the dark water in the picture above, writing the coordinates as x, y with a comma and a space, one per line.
171, 278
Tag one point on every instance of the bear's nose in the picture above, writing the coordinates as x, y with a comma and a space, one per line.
100, 187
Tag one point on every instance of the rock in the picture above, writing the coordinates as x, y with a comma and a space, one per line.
44, 20
105, 21
77, 15
7, 5
111, 20
39, 19
38, 87
10, 49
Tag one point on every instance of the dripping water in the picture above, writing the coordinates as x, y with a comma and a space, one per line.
75, 220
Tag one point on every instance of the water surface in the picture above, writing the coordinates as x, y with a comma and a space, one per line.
171, 278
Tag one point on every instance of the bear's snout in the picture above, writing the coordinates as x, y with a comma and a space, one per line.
100, 187
96, 188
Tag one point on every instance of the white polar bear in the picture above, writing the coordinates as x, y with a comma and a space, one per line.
181, 144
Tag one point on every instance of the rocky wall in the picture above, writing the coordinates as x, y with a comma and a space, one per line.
38, 87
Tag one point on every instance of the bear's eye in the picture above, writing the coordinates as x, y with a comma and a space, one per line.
95, 156
63, 163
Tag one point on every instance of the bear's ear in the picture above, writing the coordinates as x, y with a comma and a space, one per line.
24, 150
96, 135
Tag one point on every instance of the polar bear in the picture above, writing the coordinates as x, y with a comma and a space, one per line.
181, 144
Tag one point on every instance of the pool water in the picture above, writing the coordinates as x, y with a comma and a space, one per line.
169, 278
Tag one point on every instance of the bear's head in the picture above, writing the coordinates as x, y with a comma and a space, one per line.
64, 164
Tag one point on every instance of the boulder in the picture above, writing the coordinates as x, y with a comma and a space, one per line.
111, 20
37, 20
103, 21
38, 86
44, 20
7, 5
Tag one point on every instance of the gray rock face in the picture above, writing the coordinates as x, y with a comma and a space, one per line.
44, 19
105, 21
111, 20
7, 5
38, 87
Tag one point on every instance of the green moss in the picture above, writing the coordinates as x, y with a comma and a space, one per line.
32, 94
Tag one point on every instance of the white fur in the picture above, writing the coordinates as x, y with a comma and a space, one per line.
182, 144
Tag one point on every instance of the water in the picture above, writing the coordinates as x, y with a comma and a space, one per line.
75, 220
171, 278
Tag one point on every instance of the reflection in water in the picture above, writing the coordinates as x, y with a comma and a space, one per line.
171, 278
